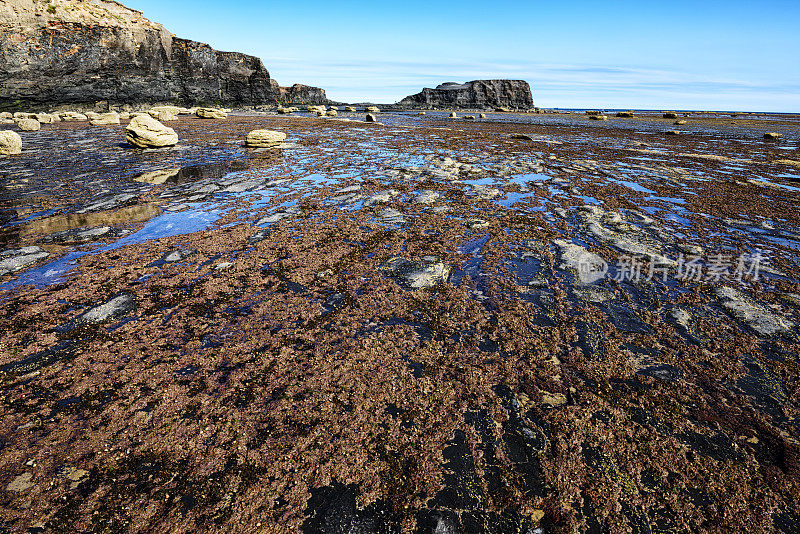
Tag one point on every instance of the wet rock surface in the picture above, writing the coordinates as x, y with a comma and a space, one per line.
516, 324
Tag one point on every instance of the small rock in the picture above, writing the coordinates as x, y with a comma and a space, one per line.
756, 316
264, 138
417, 275
116, 307
670, 115
163, 115
598, 117
105, 119
453, 115
145, 132
672, 132
73, 116
10, 143
773, 136
21, 483
28, 125
482, 116
625, 114
350, 109
381, 196
332, 113
553, 400
370, 117
391, 216
476, 224
210, 113
176, 256
15, 260
426, 197
680, 122
46, 118
372, 109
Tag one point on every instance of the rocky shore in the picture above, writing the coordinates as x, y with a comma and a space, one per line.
307, 322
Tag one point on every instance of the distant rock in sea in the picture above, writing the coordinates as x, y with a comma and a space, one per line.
80, 53
477, 94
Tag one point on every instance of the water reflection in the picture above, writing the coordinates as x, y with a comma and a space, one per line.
59, 223
209, 171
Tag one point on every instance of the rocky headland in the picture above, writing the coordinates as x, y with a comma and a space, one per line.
80, 52
477, 94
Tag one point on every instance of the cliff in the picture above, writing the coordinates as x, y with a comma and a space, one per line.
79, 52
302, 94
477, 94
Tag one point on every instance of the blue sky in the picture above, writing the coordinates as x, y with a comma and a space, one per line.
734, 55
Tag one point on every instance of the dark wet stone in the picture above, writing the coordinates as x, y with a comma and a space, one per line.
34, 362
786, 522
172, 256
80, 235
590, 340
717, 446
417, 369
336, 301
685, 324
110, 203
628, 384
764, 386
646, 418
699, 497
626, 319
462, 488
772, 450
488, 522
602, 416
333, 510
661, 371
189, 370
638, 522
438, 522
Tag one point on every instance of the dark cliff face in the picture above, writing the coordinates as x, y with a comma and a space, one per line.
477, 94
49, 59
302, 94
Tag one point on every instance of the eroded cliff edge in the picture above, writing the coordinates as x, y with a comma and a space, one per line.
79, 52
477, 94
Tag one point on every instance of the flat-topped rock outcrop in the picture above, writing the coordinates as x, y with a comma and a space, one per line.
477, 94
